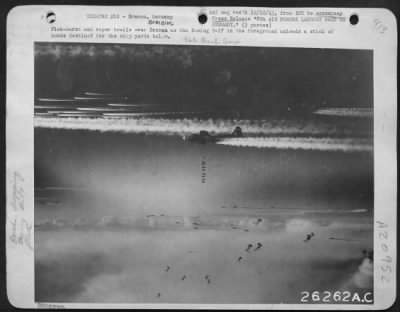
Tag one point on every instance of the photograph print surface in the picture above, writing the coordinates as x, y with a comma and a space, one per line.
202, 174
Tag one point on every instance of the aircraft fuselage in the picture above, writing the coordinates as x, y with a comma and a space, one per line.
204, 137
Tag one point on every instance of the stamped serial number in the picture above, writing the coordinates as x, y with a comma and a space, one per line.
335, 297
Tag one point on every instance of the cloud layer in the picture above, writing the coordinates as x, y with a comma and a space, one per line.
131, 266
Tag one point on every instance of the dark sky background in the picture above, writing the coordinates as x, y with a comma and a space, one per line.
249, 82
253, 81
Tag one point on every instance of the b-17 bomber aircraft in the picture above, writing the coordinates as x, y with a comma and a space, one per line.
205, 137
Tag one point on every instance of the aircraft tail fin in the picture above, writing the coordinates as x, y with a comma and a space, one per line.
237, 132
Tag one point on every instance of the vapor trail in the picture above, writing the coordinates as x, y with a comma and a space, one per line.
322, 144
346, 112
165, 126
259, 134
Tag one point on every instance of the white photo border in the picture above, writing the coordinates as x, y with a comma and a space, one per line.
26, 25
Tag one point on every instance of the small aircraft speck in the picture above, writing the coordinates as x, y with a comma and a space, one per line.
205, 137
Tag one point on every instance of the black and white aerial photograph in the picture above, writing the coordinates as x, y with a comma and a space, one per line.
202, 174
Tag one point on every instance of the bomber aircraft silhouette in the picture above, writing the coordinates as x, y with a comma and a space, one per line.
204, 136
